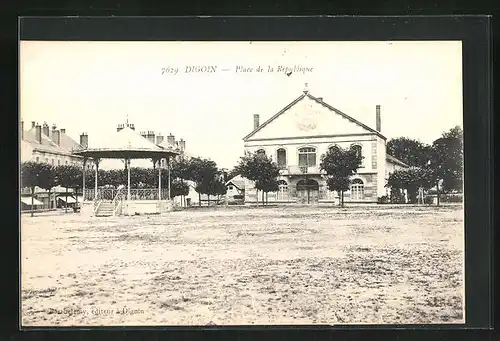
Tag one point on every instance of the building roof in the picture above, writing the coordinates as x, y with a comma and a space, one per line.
317, 100
127, 143
168, 146
237, 181
392, 159
66, 146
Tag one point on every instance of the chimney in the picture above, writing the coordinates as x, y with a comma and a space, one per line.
22, 130
255, 121
144, 134
151, 136
38, 133
378, 122
63, 131
159, 139
182, 144
171, 139
46, 131
84, 140
56, 137
131, 126
33, 124
320, 99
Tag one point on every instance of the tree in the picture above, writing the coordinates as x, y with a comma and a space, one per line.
33, 174
178, 188
70, 176
412, 152
340, 164
261, 169
202, 172
217, 187
411, 180
447, 159
271, 185
47, 179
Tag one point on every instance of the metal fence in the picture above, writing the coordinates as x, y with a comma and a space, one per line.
135, 194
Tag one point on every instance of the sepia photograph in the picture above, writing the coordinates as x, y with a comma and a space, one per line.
234, 183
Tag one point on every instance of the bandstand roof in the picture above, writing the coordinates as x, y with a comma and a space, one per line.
127, 144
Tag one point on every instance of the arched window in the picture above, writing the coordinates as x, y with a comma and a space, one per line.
359, 151
261, 152
333, 147
281, 157
282, 190
357, 189
307, 156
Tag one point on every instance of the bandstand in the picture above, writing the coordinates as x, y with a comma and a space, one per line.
127, 145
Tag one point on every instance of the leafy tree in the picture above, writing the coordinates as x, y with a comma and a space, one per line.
217, 187
261, 169
202, 172
34, 174
179, 188
70, 176
410, 179
267, 186
47, 179
447, 160
412, 152
340, 164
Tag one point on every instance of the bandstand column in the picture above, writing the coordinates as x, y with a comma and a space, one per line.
159, 179
83, 181
169, 182
128, 179
96, 173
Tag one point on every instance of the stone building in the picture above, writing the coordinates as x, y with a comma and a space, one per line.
305, 129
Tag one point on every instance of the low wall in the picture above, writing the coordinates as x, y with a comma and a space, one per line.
133, 207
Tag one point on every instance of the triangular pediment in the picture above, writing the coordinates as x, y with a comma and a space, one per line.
308, 116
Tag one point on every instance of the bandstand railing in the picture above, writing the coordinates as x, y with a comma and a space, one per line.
118, 201
109, 194
97, 202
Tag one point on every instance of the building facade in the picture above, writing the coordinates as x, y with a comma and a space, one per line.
296, 138
42, 144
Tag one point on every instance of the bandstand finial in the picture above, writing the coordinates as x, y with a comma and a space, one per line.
306, 88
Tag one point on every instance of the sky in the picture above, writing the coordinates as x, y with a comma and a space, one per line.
93, 86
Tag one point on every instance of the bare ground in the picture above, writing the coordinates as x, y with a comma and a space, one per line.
281, 265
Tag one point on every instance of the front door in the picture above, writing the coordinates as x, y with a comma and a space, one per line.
307, 192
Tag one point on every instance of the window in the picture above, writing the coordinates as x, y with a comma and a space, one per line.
37, 159
261, 152
46, 160
58, 162
358, 149
357, 189
230, 188
281, 158
333, 147
66, 162
53, 162
282, 190
307, 156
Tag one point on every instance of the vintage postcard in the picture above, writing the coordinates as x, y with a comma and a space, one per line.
241, 183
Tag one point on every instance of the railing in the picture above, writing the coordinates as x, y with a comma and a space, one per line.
144, 194
97, 202
296, 170
118, 201
135, 193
